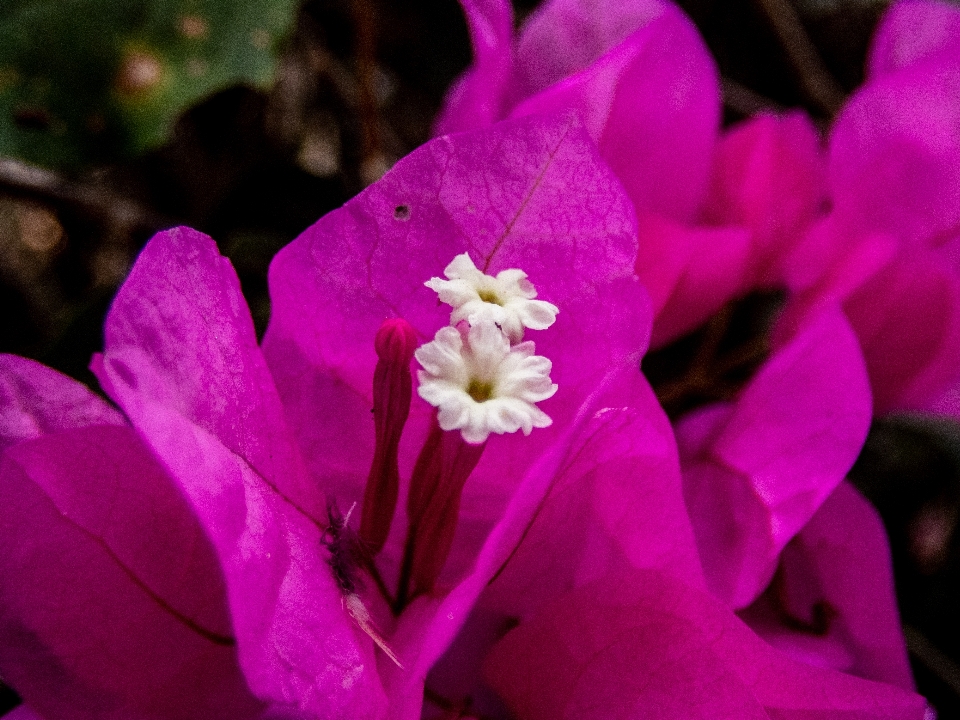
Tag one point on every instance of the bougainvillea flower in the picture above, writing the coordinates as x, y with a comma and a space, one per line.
265, 446
101, 614
771, 458
830, 604
888, 249
757, 469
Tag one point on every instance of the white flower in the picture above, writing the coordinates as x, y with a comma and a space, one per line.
482, 385
506, 299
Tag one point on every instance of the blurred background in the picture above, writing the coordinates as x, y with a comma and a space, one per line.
249, 119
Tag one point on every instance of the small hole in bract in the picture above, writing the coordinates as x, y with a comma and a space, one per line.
401, 213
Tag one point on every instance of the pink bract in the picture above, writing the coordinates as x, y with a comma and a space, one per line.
887, 251
102, 614
833, 586
755, 471
637, 73
751, 211
250, 442
642, 643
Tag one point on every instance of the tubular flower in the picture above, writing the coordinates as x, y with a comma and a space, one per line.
479, 375
507, 299
481, 385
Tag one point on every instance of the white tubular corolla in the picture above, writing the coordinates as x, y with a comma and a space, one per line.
480, 384
506, 299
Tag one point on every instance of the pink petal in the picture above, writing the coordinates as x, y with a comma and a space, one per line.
789, 440
113, 604
895, 156
641, 644
911, 32
529, 194
770, 177
652, 104
182, 360
691, 272
907, 317
477, 98
562, 37
840, 560
35, 400
606, 493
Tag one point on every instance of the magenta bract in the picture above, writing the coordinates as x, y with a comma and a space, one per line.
887, 250
752, 213
718, 214
251, 444
755, 471
113, 600
643, 643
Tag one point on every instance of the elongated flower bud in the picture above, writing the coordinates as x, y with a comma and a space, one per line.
433, 507
392, 390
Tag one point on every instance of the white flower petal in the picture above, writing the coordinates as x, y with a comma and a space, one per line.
482, 385
506, 300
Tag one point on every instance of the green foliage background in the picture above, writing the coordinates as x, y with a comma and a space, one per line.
84, 81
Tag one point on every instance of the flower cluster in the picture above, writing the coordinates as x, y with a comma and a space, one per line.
244, 454
181, 553
859, 240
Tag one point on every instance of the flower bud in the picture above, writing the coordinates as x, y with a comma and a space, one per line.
395, 343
